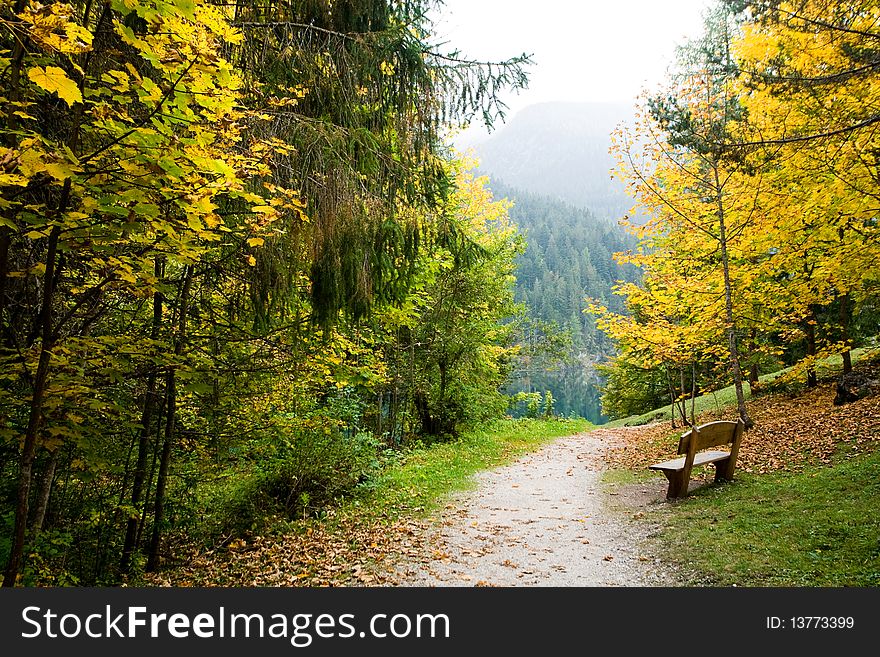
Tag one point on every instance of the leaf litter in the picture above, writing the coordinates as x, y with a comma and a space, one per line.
468, 546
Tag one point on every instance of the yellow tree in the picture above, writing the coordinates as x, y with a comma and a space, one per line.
672, 323
810, 80
702, 200
118, 154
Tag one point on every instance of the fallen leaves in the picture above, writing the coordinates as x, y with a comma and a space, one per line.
344, 551
789, 434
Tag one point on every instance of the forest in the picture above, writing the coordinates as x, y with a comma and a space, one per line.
241, 269
567, 259
236, 256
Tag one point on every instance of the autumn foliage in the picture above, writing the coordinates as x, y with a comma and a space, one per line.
211, 216
755, 169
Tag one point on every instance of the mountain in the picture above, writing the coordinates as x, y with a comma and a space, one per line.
567, 260
560, 150
552, 161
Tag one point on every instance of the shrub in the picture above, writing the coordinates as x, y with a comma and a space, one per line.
525, 404
300, 475
548, 405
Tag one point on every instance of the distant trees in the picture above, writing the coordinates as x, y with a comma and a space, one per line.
568, 258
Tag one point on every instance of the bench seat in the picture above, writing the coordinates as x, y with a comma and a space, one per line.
699, 459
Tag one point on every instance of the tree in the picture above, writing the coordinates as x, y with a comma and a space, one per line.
451, 343
700, 197
756, 170
372, 95
808, 79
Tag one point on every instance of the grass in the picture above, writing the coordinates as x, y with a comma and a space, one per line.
726, 397
424, 476
623, 476
817, 528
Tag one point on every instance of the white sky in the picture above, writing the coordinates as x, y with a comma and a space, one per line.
587, 50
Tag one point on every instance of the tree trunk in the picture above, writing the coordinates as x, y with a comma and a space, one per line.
732, 347
844, 333
170, 418
151, 477
672, 404
810, 330
162, 478
683, 409
140, 468
44, 494
428, 423
29, 446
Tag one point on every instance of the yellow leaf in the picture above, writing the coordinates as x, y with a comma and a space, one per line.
31, 163
59, 171
255, 241
13, 179
55, 80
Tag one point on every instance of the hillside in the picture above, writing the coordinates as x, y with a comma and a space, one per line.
568, 259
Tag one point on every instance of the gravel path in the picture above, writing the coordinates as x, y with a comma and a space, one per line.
545, 520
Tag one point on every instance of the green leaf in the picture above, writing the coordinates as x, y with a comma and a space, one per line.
150, 210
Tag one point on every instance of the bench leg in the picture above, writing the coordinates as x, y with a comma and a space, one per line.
722, 470
677, 484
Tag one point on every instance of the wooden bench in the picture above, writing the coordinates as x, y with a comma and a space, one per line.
691, 444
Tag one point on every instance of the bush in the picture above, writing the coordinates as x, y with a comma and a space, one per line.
317, 469
548, 405
525, 404
299, 476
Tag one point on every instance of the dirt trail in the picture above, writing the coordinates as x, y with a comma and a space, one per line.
546, 520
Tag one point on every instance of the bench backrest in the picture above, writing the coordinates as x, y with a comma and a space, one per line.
711, 434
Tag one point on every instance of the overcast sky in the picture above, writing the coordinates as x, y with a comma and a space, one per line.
584, 50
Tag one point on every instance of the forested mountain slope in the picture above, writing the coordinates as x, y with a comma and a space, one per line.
568, 259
